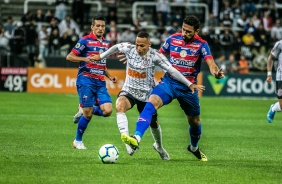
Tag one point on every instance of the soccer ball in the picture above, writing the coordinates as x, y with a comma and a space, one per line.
108, 154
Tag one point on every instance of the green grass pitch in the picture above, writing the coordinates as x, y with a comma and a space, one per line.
37, 133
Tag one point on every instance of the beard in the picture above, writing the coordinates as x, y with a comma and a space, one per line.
187, 40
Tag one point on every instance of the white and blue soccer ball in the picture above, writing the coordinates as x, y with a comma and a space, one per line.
108, 154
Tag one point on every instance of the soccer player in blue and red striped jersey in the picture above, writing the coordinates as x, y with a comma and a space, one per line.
90, 81
186, 51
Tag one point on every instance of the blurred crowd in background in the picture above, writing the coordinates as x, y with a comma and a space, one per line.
240, 32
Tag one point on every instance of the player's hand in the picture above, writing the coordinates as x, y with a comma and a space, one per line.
122, 58
95, 57
219, 74
113, 79
269, 79
200, 88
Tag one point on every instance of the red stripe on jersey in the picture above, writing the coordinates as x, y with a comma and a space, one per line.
96, 66
92, 53
91, 43
94, 76
208, 57
162, 51
189, 78
184, 69
74, 51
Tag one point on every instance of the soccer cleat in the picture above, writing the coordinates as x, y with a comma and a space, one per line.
201, 156
129, 150
270, 114
162, 152
130, 140
78, 145
78, 115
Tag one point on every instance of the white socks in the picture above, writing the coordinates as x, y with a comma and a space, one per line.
122, 123
276, 107
157, 135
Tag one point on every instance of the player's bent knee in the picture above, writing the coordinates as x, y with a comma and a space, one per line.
107, 112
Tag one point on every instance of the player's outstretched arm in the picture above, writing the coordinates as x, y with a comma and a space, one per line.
215, 71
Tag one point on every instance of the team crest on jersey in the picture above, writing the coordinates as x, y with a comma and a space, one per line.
193, 51
85, 98
146, 62
183, 53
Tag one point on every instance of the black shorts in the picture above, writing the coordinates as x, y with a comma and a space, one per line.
140, 105
279, 89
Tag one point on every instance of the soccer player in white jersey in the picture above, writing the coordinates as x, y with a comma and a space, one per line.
141, 60
276, 53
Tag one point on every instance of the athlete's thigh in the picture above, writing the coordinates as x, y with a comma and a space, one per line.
125, 101
86, 96
165, 92
103, 95
189, 102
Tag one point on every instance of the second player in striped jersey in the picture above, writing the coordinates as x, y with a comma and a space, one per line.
141, 61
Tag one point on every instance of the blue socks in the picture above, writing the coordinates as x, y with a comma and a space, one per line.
144, 119
195, 134
97, 111
82, 125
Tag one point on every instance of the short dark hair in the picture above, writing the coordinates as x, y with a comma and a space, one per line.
98, 17
192, 20
143, 34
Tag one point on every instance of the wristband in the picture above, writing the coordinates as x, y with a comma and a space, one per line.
269, 73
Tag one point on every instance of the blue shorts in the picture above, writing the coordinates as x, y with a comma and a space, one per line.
169, 91
89, 95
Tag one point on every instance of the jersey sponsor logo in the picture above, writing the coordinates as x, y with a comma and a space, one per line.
81, 47
182, 62
178, 42
77, 45
136, 74
204, 51
165, 45
93, 43
141, 119
94, 71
